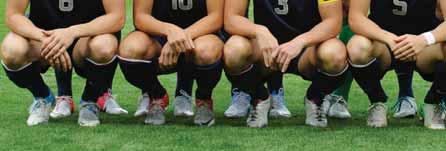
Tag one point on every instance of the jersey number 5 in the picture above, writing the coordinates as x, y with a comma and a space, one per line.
403, 5
284, 10
66, 5
182, 4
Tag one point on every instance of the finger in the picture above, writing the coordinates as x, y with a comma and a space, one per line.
46, 42
68, 58
400, 38
286, 64
54, 50
60, 52
48, 33
404, 54
265, 59
50, 44
398, 52
191, 43
400, 45
63, 64
408, 54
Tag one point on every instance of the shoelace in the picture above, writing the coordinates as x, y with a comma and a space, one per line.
253, 115
442, 108
319, 113
398, 104
36, 105
185, 94
91, 107
281, 101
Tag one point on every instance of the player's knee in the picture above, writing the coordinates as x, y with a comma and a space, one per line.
103, 48
14, 55
360, 50
207, 53
333, 55
132, 50
236, 51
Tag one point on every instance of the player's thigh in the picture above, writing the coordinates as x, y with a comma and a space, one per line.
17, 51
427, 58
139, 45
208, 50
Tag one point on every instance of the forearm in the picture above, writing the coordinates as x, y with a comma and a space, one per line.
22, 26
325, 30
109, 23
207, 25
362, 25
239, 25
440, 33
149, 24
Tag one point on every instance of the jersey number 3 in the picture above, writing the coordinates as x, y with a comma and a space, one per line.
284, 10
182, 4
66, 5
402, 5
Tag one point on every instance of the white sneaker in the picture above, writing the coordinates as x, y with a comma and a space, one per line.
143, 105
278, 106
239, 105
337, 106
64, 107
377, 115
405, 107
89, 115
155, 116
434, 116
205, 113
315, 115
39, 111
107, 102
183, 105
258, 116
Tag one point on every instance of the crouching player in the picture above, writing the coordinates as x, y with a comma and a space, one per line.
56, 33
399, 32
171, 33
296, 37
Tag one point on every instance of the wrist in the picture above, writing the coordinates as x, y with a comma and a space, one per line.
429, 38
170, 29
260, 30
72, 30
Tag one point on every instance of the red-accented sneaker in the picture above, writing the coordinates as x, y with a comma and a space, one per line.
204, 112
64, 107
108, 104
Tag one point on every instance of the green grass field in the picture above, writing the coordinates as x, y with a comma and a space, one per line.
129, 133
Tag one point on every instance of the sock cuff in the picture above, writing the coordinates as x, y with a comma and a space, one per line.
245, 71
15, 70
134, 60
335, 74
361, 66
208, 67
102, 64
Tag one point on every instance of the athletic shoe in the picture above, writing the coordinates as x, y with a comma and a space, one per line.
434, 115
64, 107
315, 115
205, 113
157, 108
239, 105
143, 105
258, 116
377, 115
183, 105
39, 111
278, 106
337, 106
405, 107
89, 114
107, 103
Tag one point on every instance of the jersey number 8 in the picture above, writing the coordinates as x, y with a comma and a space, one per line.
403, 5
66, 5
182, 4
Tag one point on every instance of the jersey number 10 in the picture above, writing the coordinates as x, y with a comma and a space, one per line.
182, 4
66, 5
402, 5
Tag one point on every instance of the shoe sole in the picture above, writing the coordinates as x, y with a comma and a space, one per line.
90, 124
59, 115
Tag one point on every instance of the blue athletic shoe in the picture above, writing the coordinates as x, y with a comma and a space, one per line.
240, 104
278, 106
405, 107
40, 109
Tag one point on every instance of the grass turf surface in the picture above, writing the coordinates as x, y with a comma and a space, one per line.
128, 133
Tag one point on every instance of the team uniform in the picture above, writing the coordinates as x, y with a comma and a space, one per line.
55, 14
286, 20
182, 14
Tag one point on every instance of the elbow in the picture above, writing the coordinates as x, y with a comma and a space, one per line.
138, 22
120, 23
229, 26
353, 22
